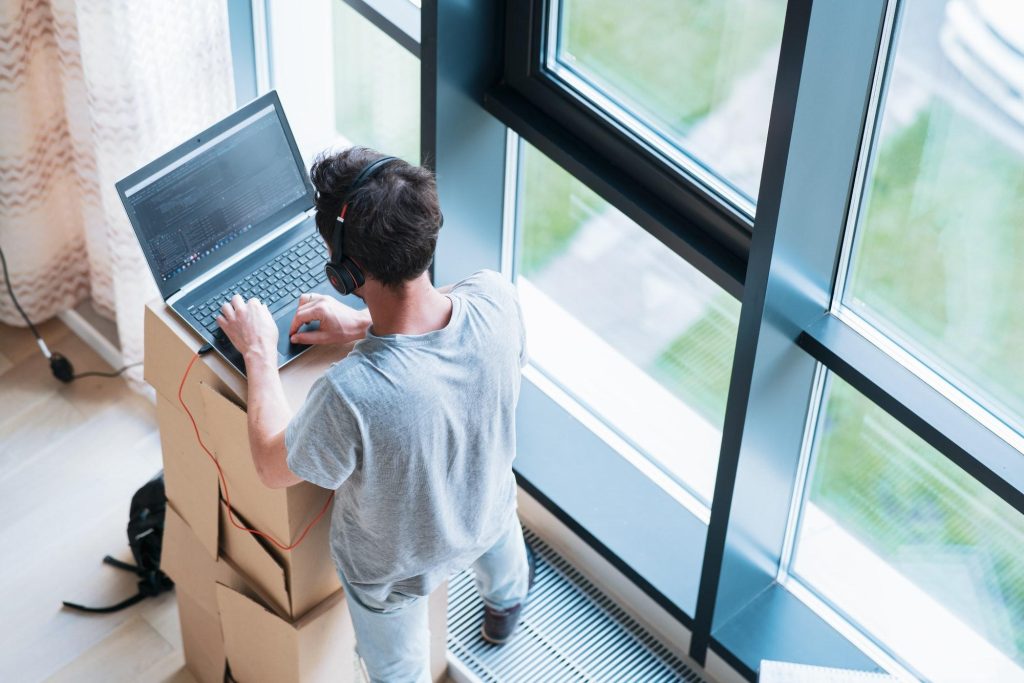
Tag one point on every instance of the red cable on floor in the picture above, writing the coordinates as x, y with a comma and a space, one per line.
224, 483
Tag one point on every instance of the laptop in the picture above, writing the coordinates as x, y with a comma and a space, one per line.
231, 211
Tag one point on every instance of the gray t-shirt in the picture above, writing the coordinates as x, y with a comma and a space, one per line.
417, 435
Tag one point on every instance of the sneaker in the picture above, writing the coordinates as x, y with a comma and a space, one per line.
499, 624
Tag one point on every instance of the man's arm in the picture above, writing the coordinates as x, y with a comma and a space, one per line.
268, 418
252, 330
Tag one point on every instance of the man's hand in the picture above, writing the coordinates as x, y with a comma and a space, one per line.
250, 327
338, 323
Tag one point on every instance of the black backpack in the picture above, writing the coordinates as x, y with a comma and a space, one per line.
145, 537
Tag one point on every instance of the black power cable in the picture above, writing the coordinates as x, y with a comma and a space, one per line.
59, 365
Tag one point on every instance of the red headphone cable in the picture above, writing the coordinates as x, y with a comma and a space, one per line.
224, 483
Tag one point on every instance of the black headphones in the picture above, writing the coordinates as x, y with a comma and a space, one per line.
342, 272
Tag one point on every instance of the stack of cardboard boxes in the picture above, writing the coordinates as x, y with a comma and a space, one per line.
247, 605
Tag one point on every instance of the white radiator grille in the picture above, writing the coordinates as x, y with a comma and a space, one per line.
569, 631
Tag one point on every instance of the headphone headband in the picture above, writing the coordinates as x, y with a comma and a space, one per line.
363, 176
342, 272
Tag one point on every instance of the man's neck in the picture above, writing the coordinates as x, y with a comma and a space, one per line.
415, 307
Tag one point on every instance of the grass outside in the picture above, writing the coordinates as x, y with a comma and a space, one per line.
915, 508
939, 252
554, 207
697, 365
672, 61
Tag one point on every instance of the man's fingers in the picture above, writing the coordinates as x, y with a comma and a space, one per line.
227, 311
306, 307
316, 302
313, 337
300, 319
305, 314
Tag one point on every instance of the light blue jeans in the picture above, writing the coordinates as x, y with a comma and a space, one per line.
393, 638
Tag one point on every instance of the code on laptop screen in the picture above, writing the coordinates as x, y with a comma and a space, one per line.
223, 189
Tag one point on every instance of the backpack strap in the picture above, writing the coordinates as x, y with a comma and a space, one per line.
138, 597
152, 583
113, 562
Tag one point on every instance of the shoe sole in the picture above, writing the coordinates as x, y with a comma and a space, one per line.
493, 641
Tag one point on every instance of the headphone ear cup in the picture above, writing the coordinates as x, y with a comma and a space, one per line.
354, 272
340, 278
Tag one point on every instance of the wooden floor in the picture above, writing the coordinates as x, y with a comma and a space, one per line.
71, 456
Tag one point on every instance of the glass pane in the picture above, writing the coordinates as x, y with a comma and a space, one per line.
342, 80
632, 330
699, 73
376, 87
911, 546
936, 259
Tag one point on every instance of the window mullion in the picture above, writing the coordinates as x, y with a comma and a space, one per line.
802, 206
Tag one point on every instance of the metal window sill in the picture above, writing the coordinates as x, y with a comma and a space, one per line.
777, 625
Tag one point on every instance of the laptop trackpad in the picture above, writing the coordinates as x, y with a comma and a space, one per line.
284, 322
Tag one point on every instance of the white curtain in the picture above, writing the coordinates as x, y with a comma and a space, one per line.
89, 92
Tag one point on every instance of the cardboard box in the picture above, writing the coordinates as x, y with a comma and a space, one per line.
190, 478
169, 346
195, 576
261, 646
215, 394
294, 581
282, 513
182, 558
201, 639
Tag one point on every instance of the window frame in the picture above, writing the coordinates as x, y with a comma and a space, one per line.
655, 191
802, 210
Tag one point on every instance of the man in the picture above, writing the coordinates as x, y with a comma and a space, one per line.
414, 429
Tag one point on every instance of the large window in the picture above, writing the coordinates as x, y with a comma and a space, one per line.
693, 77
633, 331
893, 534
936, 263
911, 547
861, 501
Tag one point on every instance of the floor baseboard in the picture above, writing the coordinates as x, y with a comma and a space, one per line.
93, 337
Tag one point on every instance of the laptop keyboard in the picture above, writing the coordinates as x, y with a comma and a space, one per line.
278, 282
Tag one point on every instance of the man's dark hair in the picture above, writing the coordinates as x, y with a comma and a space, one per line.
392, 220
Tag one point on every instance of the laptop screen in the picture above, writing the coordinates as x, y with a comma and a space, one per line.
215, 195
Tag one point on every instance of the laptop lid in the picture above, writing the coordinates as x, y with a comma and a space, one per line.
214, 195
